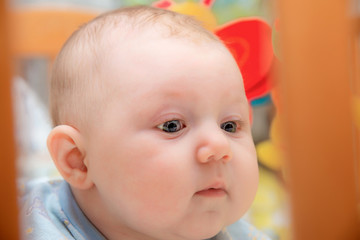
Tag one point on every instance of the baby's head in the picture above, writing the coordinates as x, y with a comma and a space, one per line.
153, 131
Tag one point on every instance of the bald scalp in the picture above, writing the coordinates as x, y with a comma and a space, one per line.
76, 89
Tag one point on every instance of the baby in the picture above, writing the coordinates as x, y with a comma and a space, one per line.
152, 135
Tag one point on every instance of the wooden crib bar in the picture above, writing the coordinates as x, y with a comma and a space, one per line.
316, 93
8, 209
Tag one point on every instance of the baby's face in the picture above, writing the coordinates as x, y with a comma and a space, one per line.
173, 157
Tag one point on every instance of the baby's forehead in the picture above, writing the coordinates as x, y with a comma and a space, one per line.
134, 47
167, 60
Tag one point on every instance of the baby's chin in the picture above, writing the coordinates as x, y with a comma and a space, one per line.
206, 231
203, 234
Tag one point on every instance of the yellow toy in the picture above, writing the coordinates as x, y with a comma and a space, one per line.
200, 10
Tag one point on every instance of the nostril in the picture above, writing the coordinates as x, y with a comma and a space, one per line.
226, 158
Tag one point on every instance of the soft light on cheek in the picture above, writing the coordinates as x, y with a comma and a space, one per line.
148, 166
245, 167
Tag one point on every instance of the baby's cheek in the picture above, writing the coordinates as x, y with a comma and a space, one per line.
153, 177
156, 196
245, 179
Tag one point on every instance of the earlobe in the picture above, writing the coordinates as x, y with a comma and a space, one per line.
66, 148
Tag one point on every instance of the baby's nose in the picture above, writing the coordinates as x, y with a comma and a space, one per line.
215, 146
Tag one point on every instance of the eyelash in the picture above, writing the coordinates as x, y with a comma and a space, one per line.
176, 125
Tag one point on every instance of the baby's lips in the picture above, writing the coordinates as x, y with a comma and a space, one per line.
216, 189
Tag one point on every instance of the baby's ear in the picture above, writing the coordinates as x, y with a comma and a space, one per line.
66, 148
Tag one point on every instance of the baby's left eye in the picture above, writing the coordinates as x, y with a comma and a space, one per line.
229, 126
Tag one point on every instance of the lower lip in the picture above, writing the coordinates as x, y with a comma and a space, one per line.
212, 193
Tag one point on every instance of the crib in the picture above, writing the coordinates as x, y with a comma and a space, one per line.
321, 67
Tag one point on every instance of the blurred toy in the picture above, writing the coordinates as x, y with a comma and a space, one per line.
248, 39
263, 112
269, 211
199, 11
271, 151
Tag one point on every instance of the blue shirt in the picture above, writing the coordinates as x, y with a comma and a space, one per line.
48, 210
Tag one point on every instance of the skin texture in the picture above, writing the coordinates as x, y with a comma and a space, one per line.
147, 183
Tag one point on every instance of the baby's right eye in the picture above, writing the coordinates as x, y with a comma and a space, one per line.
171, 126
